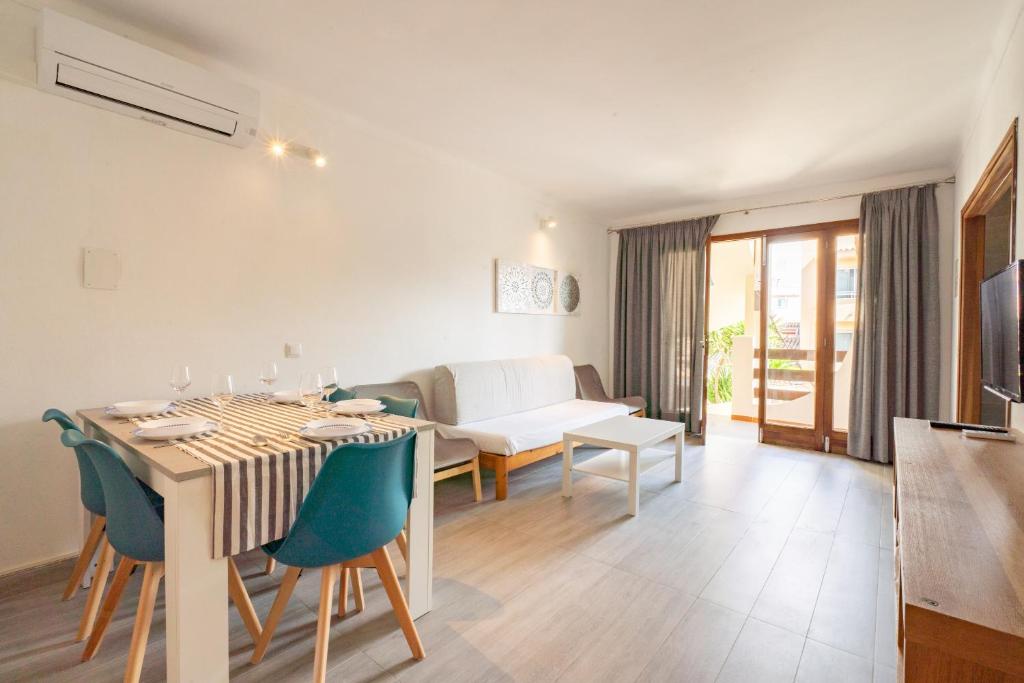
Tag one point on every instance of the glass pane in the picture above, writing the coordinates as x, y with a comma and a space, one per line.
792, 328
846, 308
733, 337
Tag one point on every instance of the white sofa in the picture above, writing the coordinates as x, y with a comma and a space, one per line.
515, 411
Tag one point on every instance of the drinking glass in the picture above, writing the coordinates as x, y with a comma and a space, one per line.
268, 375
181, 379
223, 392
311, 390
330, 378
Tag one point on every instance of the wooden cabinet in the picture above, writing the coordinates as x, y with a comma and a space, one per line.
959, 556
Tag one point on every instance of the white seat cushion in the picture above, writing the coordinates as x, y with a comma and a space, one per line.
518, 432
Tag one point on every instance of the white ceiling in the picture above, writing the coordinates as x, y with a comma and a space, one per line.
626, 106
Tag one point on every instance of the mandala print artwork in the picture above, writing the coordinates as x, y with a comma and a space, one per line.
542, 288
522, 288
568, 294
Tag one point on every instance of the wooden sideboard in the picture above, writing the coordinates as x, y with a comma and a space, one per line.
959, 551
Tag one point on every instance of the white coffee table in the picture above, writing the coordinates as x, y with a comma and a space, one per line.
632, 437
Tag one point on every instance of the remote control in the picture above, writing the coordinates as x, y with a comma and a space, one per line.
938, 424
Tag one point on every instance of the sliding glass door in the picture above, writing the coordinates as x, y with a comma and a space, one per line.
790, 336
806, 336
779, 334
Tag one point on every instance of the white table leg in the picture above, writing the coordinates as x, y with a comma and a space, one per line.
567, 447
197, 584
420, 575
680, 440
634, 488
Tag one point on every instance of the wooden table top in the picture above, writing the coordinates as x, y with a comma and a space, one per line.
172, 462
961, 528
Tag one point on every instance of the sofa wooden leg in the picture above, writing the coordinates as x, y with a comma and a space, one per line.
477, 491
501, 479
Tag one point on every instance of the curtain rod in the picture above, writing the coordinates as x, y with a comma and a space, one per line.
944, 181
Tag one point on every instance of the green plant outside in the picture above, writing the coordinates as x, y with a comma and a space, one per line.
720, 344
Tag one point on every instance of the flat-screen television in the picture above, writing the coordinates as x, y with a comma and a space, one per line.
1002, 332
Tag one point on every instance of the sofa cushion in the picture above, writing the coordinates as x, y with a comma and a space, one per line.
511, 434
471, 392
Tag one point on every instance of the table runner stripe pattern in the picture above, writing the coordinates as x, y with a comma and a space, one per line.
257, 490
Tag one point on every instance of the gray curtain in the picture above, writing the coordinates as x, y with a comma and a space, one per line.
659, 318
896, 345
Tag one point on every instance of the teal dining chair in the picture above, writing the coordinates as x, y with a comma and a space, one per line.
135, 529
91, 494
406, 407
357, 504
340, 394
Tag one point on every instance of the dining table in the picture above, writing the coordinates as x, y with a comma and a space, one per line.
224, 494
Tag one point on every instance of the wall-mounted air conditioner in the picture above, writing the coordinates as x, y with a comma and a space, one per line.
97, 67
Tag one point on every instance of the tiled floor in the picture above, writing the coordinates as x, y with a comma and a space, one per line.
765, 564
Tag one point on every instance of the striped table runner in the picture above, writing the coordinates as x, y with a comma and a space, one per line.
257, 490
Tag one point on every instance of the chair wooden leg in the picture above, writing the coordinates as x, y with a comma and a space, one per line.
143, 619
291, 577
240, 596
110, 603
357, 588
475, 472
403, 545
99, 582
91, 541
323, 621
271, 565
343, 592
386, 572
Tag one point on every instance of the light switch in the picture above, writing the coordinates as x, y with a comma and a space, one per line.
101, 269
293, 350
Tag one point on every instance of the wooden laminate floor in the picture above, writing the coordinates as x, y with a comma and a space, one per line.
765, 564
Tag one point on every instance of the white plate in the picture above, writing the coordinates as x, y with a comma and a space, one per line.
169, 428
289, 396
137, 408
334, 428
358, 406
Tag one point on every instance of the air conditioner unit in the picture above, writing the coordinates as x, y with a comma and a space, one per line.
97, 67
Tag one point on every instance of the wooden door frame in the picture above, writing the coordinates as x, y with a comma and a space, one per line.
999, 176
826, 232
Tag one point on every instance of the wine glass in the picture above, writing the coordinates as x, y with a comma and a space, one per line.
181, 379
330, 378
222, 392
311, 390
268, 375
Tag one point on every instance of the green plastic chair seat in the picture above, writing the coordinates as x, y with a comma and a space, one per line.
406, 407
91, 490
340, 394
135, 525
358, 503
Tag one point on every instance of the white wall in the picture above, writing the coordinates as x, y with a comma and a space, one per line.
1002, 102
815, 211
381, 264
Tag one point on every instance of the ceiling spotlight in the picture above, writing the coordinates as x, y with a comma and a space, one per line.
548, 223
278, 149
319, 161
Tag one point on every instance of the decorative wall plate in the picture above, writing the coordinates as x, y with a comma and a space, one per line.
568, 294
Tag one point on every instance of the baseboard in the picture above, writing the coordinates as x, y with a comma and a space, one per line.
29, 566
